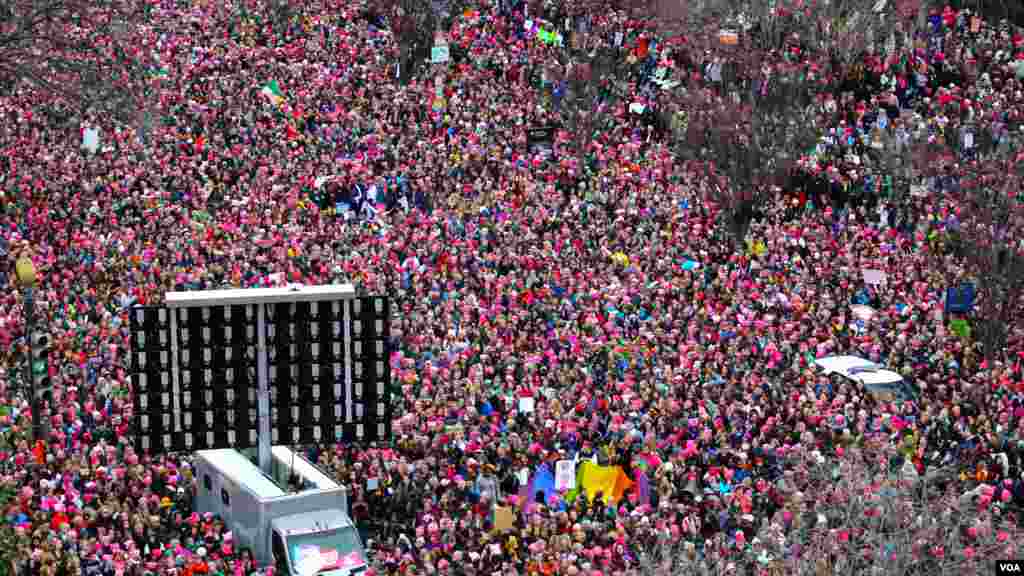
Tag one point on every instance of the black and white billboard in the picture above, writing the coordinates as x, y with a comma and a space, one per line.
197, 365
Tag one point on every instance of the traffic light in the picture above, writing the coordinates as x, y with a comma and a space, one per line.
40, 361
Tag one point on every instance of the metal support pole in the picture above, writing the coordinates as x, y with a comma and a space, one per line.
263, 390
347, 327
175, 371
30, 388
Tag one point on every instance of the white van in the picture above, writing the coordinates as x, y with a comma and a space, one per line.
303, 532
883, 384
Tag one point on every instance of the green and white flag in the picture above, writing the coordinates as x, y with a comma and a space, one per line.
273, 91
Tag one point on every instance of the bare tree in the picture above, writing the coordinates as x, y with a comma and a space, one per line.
82, 52
746, 106
589, 76
848, 514
986, 231
414, 22
280, 13
759, 72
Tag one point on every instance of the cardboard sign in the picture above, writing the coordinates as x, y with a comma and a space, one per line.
565, 475
504, 519
882, 396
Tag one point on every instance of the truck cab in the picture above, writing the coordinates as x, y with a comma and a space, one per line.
282, 522
318, 543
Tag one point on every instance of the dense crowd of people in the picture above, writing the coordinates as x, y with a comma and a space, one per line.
606, 292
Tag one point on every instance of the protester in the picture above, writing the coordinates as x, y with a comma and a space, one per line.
599, 286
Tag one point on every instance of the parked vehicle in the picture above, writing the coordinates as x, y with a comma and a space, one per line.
883, 384
300, 527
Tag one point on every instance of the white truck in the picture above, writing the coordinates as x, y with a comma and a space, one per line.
296, 520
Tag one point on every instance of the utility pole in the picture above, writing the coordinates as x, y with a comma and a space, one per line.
37, 375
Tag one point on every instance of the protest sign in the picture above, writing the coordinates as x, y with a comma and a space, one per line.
565, 475
439, 54
874, 277
960, 299
863, 312
540, 139
504, 519
91, 139
526, 405
728, 37
961, 328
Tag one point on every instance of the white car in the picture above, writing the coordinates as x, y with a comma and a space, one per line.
874, 378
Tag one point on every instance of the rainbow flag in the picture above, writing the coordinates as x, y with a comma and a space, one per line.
610, 481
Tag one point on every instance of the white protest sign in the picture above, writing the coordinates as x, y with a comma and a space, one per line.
874, 276
526, 404
862, 312
91, 139
565, 475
